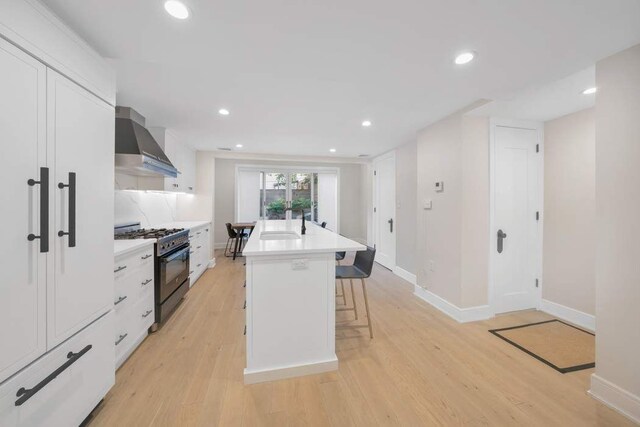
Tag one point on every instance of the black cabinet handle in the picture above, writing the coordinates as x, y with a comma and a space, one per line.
44, 210
26, 394
120, 299
390, 225
146, 282
148, 312
120, 338
146, 256
122, 267
72, 209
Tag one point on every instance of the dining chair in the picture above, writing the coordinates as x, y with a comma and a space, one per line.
361, 269
232, 236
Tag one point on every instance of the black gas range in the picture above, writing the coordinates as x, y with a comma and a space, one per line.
171, 264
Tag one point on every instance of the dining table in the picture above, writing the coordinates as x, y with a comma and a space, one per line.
240, 228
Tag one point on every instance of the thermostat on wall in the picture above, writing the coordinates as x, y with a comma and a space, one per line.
440, 186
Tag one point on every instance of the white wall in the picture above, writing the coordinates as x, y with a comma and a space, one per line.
569, 249
352, 211
453, 236
617, 376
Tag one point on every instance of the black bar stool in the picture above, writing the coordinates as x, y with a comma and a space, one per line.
361, 269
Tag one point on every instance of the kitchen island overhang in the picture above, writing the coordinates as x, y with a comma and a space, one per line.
290, 294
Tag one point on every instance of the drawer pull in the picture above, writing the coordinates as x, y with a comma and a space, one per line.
26, 394
198, 265
122, 267
120, 299
120, 338
245, 330
198, 247
146, 282
245, 305
191, 272
191, 252
146, 256
198, 233
148, 312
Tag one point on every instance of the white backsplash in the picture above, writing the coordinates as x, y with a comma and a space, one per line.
147, 207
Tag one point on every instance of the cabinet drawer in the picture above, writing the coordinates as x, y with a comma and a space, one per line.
85, 372
143, 313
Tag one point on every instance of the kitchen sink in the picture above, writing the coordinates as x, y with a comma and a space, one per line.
279, 235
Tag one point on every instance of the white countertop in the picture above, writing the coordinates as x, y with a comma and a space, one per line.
121, 247
182, 224
316, 240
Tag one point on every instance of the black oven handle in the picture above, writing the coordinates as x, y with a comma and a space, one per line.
175, 255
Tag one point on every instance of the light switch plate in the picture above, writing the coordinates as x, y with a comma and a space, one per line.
426, 204
439, 186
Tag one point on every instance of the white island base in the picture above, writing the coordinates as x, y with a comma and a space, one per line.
291, 302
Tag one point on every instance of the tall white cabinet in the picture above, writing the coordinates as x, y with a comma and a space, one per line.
57, 144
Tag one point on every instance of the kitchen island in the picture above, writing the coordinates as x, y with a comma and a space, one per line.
290, 299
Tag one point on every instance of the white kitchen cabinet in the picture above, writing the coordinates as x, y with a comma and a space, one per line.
133, 300
23, 291
200, 252
68, 398
56, 319
80, 135
181, 156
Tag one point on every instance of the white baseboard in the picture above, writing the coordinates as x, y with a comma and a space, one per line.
212, 263
409, 277
569, 314
252, 377
219, 245
461, 315
616, 398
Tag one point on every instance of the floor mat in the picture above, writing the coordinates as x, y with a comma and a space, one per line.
564, 347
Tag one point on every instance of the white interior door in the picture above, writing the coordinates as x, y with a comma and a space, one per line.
385, 209
23, 286
514, 230
80, 140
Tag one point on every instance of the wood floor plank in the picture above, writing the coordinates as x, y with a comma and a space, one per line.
421, 368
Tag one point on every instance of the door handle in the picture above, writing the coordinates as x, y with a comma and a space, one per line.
501, 236
390, 225
72, 209
44, 210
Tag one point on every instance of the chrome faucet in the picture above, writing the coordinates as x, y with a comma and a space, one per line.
303, 230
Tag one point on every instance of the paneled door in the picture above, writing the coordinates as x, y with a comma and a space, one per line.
384, 210
22, 148
80, 130
515, 227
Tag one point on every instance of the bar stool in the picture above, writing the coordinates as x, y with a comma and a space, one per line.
339, 257
361, 269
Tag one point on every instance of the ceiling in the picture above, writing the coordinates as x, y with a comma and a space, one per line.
545, 102
300, 76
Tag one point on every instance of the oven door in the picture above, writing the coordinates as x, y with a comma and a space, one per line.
173, 270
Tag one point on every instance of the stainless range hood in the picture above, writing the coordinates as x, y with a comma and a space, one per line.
137, 153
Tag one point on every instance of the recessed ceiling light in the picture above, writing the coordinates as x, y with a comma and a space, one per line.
238, 145
366, 123
590, 91
333, 150
223, 112
176, 9
464, 58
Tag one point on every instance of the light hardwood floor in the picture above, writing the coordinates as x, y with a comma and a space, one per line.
422, 368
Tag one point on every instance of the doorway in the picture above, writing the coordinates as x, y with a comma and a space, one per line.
267, 192
384, 209
516, 172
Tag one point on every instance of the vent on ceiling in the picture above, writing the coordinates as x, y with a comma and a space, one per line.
224, 148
